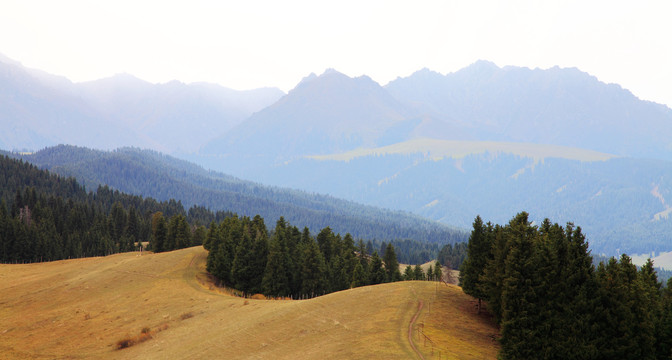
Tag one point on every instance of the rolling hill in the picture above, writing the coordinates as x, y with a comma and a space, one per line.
83, 308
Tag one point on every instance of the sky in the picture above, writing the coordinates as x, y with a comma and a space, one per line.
250, 44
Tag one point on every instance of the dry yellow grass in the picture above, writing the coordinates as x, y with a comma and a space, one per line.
80, 309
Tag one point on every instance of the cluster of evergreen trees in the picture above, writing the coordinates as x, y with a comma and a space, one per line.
452, 255
45, 217
288, 262
553, 303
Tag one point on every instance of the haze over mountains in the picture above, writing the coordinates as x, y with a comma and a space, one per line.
483, 140
40, 110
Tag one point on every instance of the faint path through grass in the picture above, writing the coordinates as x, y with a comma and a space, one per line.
410, 329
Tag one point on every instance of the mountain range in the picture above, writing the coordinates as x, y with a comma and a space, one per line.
485, 140
39, 110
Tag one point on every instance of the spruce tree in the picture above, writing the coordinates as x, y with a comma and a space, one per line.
160, 234
438, 271
376, 272
276, 280
359, 276
473, 267
313, 271
408, 273
492, 280
243, 268
664, 332
615, 314
392, 272
518, 339
418, 273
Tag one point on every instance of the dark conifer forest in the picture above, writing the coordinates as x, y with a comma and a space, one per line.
288, 262
46, 217
552, 302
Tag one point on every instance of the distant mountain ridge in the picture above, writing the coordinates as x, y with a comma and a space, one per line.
323, 114
555, 106
38, 110
333, 113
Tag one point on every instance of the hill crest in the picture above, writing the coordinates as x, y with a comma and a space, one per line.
83, 307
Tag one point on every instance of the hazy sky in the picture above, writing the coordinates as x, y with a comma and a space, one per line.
249, 44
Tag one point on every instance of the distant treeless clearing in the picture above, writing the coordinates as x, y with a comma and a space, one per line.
438, 149
83, 308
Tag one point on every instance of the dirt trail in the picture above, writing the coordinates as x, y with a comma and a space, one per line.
410, 329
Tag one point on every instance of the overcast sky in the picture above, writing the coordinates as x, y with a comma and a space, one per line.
249, 44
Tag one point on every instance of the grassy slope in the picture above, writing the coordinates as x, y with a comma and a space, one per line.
81, 308
458, 149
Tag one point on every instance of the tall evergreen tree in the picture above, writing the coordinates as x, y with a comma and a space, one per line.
418, 273
359, 276
276, 280
313, 271
160, 233
438, 271
473, 267
408, 273
243, 267
492, 280
376, 272
392, 272
518, 338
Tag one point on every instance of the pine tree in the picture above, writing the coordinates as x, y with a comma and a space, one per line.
198, 235
325, 242
492, 280
616, 314
473, 267
313, 271
392, 272
348, 256
133, 224
243, 267
338, 278
117, 223
418, 273
276, 280
664, 332
160, 233
518, 339
359, 276
438, 271
376, 272
408, 273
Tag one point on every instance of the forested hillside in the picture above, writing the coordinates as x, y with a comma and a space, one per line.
152, 174
46, 217
623, 204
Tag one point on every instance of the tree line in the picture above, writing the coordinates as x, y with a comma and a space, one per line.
287, 262
45, 217
151, 174
552, 302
